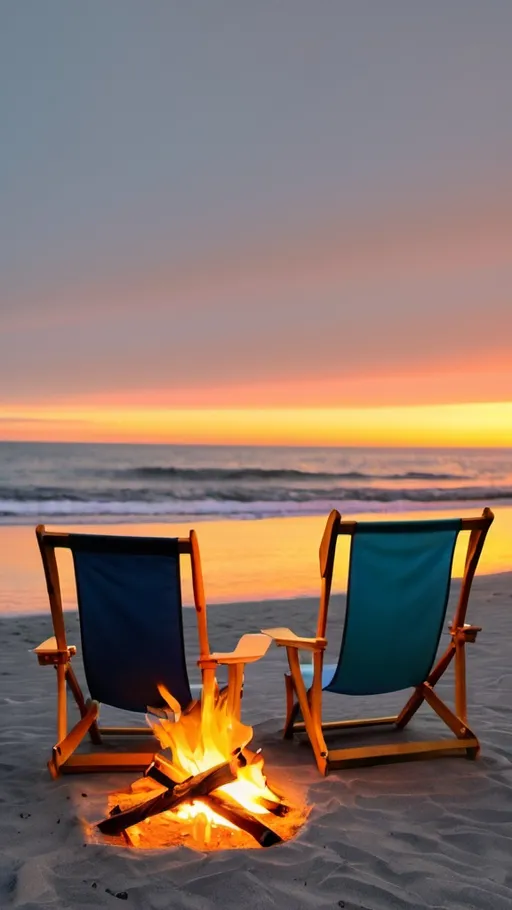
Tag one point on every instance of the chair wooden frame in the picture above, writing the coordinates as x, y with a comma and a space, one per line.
309, 702
56, 652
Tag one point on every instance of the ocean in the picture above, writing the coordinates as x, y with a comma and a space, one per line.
105, 483
259, 512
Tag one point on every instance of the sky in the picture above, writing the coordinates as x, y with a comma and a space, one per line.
282, 221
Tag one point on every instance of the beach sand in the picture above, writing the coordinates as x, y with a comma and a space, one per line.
435, 833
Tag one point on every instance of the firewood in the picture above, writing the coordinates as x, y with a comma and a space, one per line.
157, 774
233, 812
276, 807
192, 788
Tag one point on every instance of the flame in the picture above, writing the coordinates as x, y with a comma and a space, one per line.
208, 734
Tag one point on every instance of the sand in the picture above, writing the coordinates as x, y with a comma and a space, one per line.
431, 834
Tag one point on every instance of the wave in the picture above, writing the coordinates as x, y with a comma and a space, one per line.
291, 502
46, 498
254, 474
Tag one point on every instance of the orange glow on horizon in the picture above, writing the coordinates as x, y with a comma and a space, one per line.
490, 380
477, 424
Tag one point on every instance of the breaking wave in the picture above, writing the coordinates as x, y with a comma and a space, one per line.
230, 504
89, 483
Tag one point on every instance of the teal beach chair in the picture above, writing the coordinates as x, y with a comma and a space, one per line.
130, 610
398, 587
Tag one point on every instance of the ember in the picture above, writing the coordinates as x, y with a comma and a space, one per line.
206, 790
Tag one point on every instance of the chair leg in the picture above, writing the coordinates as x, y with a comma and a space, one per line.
53, 765
417, 698
74, 686
456, 724
292, 707
209, 691
66, 746
409, 710
62, 709
235, 685
460, 680
312, 721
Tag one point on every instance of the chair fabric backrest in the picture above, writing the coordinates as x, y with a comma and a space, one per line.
398, 589
129, 601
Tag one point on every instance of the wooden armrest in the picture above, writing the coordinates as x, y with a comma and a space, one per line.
467, 625
466, 632
49, 653
285, 638
249, 649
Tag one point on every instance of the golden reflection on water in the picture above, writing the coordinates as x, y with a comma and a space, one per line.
242, 560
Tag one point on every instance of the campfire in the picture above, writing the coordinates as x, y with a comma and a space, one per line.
205, 789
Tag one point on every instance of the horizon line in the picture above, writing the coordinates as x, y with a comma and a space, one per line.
248, 445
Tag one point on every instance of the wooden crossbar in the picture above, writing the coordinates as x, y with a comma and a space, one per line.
125, 731
64, 540
300, 727
106, 761
479, 523
371, 754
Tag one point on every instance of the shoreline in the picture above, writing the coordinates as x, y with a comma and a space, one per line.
503, 578
350, 509
483, 585
243, 561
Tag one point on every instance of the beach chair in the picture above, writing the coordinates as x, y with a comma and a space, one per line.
130, 611
398, 587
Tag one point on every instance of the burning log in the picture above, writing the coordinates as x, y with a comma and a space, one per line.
228, 808
237, 815
160, 771
164, 772
192, 788
200, 786
276, 808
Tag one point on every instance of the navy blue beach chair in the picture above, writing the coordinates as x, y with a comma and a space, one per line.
130, 610
398, 588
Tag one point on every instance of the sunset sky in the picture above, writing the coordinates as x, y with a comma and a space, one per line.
256, 221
